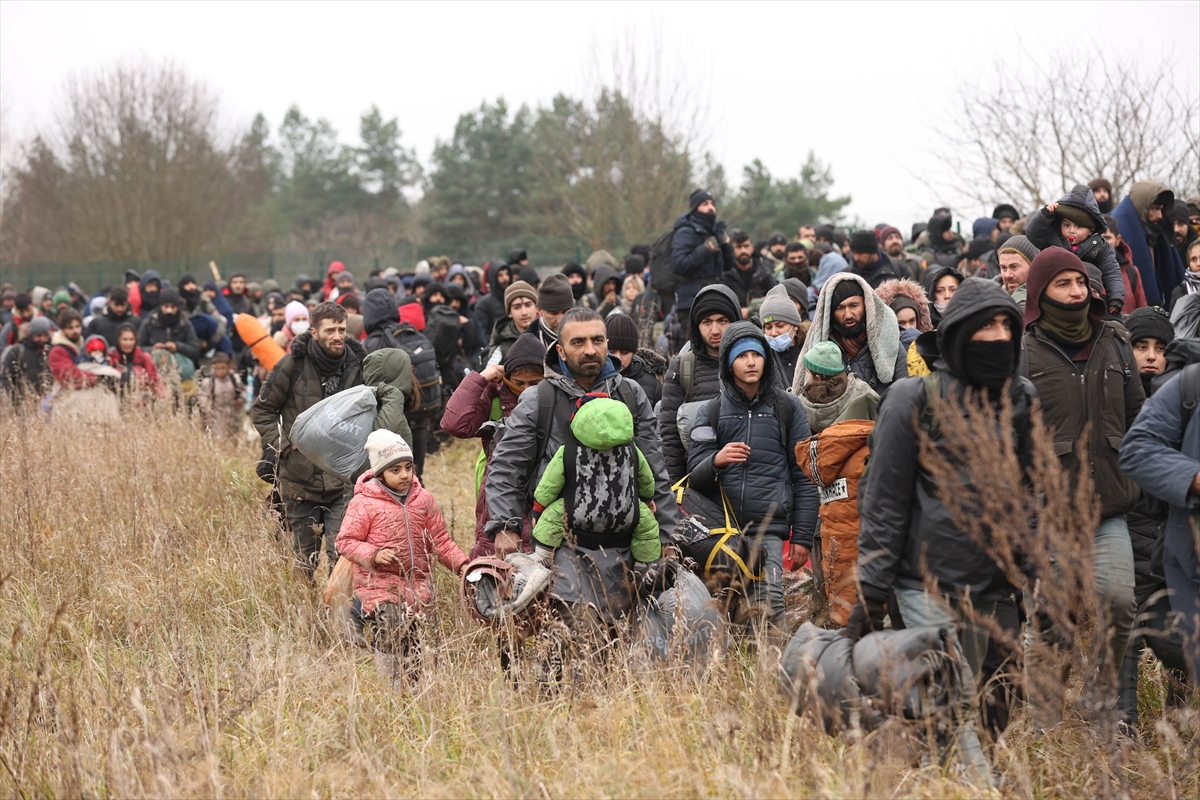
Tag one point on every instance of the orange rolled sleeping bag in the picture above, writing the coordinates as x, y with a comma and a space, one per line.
259, 340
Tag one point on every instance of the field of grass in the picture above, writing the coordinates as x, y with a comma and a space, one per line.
154, 642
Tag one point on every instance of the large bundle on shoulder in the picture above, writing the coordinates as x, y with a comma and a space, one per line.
333, 433
913, 674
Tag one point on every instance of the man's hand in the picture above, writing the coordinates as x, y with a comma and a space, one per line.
385, 557
732, 453
170, 346
157, 346
799, 555
493, 374
711, 243
507, 542
1196, 484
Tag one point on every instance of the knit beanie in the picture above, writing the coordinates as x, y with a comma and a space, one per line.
38, 325
554, 294
696, 198
1149, 322
1177, 213
515, 291
743, 345
1020, 245
531, 276
825, 358
888, 230
1100, 183
798, 292
777, 306
528, 352
1076, 215
634, 264
293, 310
385, 448
824, 232
904, 301
844, 290
62, 296
169, 297
978, 246
622, 333
864, 241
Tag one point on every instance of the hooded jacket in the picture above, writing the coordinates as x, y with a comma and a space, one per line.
389, 370
639, 374
888, 291
1043, 230
1157, 261
294, 386
885, 269
823, 415
414, 529
768, 492
154, 330
25, 371
882, 361
907, 533
1101, 393
604, 272
517, 465
932, 276
63, 357
706, 379
694, 264
935, 249
490, 307
148, 302
105, 324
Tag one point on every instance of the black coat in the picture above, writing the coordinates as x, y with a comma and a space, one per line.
637, 372
751, 284
769, 492
154, 331
706, 382
25, 370
694, 264
885, 269
906, 532
106, 325
1043, 231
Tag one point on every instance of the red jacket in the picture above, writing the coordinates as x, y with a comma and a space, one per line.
415, 530
1135, 296
144, 371
466, 412
64, 354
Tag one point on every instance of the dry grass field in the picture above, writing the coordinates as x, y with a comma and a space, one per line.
154, 642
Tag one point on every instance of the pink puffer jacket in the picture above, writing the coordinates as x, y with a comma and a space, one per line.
415, 530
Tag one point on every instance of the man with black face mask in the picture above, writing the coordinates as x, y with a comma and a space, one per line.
1088, 382
168, 329
908, 542
149, 290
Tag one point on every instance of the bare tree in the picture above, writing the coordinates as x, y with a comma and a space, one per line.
135, 167
1031, 135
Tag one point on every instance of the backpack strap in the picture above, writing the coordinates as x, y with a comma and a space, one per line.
783, 414
714, 411
933, 396
545, 418
687, 373
1189, 392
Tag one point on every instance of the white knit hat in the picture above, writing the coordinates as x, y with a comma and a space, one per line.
385, 449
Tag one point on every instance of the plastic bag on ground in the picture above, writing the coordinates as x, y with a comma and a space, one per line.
333, 433
682, 619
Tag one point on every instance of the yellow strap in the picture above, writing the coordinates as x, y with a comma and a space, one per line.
731, 529
721, 545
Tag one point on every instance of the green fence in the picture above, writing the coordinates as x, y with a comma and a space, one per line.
285, 266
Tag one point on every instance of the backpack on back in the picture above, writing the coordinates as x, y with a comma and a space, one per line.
425, 368
662, 275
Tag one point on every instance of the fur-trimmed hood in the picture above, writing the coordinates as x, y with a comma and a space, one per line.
883, 332
890, 290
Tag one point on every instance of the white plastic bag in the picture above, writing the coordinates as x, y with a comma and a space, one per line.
333, 433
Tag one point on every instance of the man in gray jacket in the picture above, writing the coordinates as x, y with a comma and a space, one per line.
577, 365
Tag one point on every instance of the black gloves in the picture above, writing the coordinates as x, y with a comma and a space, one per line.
867, 615
650, 577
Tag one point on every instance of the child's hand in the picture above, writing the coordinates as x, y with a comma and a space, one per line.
385, 557
1052, 207
732, 453
493, 374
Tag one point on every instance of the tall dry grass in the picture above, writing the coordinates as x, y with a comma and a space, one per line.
154, 641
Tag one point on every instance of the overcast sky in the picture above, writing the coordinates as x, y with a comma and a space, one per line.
864, 85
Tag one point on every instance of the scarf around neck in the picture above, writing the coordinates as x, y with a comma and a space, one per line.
1066, 324
329, 368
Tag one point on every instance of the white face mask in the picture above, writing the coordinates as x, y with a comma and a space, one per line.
299, 326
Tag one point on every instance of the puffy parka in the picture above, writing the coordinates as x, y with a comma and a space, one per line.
154, 330
768, 492
706, 379
906, 531
749, 285
293, 386
834, 460
1044, 230
637, 372
414, 529
694, 264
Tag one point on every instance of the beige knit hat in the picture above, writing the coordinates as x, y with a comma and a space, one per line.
385, 449
516, 290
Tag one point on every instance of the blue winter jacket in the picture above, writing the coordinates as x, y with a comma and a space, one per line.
694, 264
1161, 271
769, 493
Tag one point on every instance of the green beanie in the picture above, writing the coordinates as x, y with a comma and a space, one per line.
824, 359
62, 296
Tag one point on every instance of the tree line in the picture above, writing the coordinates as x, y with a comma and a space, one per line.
137, 167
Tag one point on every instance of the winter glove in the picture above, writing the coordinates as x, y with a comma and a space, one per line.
265, 468
649, 576
867, 615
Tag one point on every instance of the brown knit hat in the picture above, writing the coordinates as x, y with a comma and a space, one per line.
1021, 246
1076, 215
517, 290
1100, 183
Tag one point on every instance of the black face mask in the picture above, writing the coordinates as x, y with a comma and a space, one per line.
170, 320
988, 364
711, 219
852, 332
1106, 207
277, 325
190, 294
150, 294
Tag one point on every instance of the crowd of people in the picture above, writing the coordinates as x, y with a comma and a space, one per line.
788, 381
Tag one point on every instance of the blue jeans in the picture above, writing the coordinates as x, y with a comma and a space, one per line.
767, 594
920, 609
1112, 559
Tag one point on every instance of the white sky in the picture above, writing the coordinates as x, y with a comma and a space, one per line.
865, 85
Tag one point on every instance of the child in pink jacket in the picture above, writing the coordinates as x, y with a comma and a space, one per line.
392, 532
